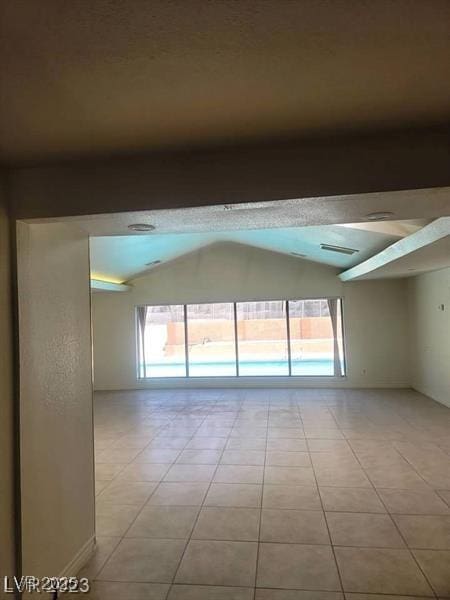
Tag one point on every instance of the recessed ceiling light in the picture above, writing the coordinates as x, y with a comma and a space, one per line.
340, 249
141, 227
153, 263
298, 254
379, 216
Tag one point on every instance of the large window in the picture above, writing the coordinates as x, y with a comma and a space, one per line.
161, 341
263, 338
211, 339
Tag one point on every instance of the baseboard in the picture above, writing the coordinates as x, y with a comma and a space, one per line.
253, 382
432, 395
81, 558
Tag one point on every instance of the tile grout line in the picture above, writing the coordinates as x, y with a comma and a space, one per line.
261, 501
326, 522
145, 503
199, 510
394, 523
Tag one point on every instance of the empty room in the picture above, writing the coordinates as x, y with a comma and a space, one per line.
225, 300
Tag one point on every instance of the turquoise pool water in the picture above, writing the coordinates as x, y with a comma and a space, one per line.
312, 367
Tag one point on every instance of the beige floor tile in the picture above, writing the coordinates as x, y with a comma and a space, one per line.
107, 471
238, 474
249, 432
294, 527
291, 497
199, 457
324, 445
143, 560
285, 432
117, 455
297, 566
169, 522
268, 427
351, 500
219, 523
138, 442
193, 473
113, 520
400, 477
380, 571
207, 443
243, 457
246, 443
289, 476
436, 566
143, 472
264, 594
174, 442
340, 475
218, 563
362, 529
100, 485
127, 492
234, 494
423, 531
323, 434
103, 550
213, 431
199, 592
287, 445
282, 458
157, 455
179, 494
107, 590
411, 502
445, 495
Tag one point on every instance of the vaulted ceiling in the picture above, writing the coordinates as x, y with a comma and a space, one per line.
121, 258
102, 77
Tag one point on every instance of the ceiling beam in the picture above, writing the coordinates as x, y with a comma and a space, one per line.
307, 168
429, 234
99, 285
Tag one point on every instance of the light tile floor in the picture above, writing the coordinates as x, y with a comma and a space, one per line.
271, 495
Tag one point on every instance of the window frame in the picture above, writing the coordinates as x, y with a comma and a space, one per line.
290, 375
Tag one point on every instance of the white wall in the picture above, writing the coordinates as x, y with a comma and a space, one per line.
57, 475
6, 402
375, 317
430, 334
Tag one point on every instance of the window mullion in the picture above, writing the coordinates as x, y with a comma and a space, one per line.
288, 330
236, 344
186, 344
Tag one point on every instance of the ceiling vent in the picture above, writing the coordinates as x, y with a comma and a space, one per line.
380, 216
141, 227
339, 249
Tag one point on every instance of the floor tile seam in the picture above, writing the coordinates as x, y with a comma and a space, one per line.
398, 529
328, 530
260, 508
195, 522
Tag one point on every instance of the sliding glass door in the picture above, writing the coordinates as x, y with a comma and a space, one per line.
211, 339
262, 338
226, 339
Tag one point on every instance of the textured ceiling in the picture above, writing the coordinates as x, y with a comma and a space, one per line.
120, 258
84, 78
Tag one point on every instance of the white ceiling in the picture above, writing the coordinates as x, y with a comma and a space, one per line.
121, 258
